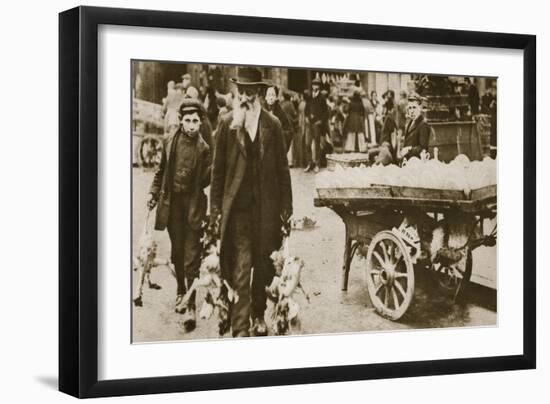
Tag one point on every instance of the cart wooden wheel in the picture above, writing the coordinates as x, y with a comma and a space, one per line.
453, 282
149, 151
390, 275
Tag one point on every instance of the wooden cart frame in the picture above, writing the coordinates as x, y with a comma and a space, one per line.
397, 231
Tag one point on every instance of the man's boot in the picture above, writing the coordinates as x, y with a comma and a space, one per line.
177, 307
259, 327
189, 319
182, 304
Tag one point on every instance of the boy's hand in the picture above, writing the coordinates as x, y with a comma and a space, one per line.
404, 151
151, 202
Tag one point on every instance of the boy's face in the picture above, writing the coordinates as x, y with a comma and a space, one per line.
414, 109
191, 123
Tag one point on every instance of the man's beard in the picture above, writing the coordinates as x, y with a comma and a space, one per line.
239, 113
240, 109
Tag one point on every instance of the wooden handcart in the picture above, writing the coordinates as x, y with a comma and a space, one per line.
405, 228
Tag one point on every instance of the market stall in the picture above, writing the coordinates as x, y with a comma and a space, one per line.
456, 128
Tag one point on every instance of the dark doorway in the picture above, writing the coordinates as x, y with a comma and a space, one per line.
298, 80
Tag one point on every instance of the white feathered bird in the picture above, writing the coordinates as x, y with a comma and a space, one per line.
283, 288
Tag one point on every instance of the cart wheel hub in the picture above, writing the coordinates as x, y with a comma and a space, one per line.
387, 276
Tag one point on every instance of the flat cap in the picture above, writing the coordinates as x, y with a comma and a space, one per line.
190, 105
415, 97
316, 82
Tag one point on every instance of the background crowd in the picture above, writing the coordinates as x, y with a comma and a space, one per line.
321, 120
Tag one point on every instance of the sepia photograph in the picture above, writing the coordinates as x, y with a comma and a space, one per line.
285, 201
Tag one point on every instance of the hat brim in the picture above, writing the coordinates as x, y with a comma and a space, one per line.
248, 83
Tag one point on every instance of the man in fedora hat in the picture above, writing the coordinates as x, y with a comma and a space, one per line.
178, 192
317, 114
251, 198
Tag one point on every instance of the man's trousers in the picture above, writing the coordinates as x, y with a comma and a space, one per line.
241, 244
315, 137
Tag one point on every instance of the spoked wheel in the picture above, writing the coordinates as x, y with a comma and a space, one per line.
453, 281
150, 152
390, 275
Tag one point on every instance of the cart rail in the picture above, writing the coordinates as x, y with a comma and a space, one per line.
442, 205
474, 202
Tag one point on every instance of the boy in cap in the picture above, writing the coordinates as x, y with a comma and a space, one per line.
178, 192
416, 136
417, 130
206, 126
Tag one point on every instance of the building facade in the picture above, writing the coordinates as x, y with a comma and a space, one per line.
150, 78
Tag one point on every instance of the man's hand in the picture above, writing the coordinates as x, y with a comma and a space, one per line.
151, 202
285, 218
215, 224
404, 151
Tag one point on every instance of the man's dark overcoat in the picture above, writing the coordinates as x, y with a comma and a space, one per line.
417, 135
228, 170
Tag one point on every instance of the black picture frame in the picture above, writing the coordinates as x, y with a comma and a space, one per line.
78, 201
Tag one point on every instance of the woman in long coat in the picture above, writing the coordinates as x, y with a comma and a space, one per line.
354, 126
273, 106
303, 126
